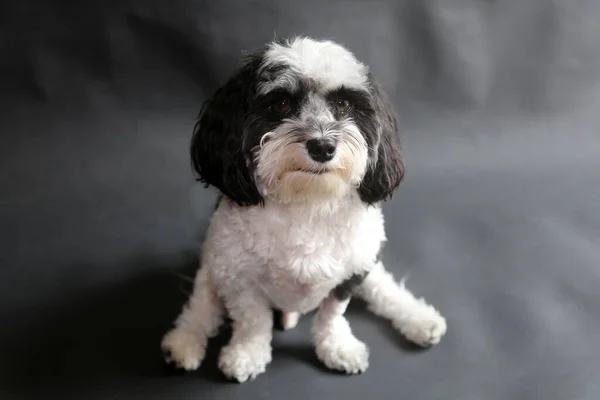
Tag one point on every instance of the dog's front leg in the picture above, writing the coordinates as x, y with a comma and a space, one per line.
185, 344
418, 321
335, 344
249, 350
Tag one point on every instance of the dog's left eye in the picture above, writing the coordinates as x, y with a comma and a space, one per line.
342, 106
282, 106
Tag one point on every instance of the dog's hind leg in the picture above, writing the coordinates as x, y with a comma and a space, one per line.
185, 344
418, 321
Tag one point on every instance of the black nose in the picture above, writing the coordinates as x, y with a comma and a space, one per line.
321, 150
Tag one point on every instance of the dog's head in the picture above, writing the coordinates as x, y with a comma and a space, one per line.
301, 120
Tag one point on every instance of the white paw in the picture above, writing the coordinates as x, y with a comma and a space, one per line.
183, 349
244, 362
289, 320
424, 327
345, 353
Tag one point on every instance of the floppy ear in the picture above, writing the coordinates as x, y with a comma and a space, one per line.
217, 147
386, 170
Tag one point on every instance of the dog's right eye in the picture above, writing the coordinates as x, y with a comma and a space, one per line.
282, 106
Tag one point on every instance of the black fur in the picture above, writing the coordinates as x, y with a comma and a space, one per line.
361, 105
233, 120
230, 126
362, 112
218, 154
346, 289
386, 173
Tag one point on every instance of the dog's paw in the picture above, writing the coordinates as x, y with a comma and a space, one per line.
345, 353
243, 362
184, 350
424, 327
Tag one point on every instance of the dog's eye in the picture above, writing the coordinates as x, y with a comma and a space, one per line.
342, 106
282, 106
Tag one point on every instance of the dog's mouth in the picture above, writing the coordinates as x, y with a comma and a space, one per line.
312, 171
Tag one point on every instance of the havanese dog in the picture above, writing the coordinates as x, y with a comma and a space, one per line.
303, 145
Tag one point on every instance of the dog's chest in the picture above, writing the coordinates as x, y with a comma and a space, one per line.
304, 262
303, 256
307, 253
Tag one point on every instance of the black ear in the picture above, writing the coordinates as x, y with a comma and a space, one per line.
217, 148
386, 170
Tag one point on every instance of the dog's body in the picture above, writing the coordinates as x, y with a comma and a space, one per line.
303, 145
292, 255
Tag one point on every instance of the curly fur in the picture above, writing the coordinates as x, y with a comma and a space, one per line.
294, 230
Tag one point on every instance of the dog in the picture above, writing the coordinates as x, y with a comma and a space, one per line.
303, 145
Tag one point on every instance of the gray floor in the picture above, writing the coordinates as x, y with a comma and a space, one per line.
497, 224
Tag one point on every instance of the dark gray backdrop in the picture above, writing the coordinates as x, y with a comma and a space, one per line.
497, 224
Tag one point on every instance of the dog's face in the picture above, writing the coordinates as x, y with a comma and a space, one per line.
300, 121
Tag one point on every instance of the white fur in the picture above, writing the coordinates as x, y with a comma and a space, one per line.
326, 62
249, 350
335, 344
291, 256
282, 160
312, 233
418, 321
199, 320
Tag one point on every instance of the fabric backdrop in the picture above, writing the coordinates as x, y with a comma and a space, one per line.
497, 223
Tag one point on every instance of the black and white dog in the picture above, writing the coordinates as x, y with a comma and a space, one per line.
303, 145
